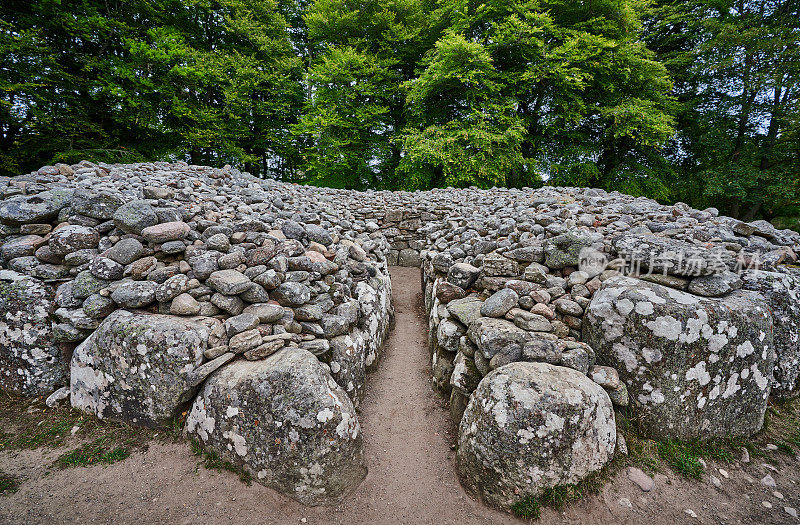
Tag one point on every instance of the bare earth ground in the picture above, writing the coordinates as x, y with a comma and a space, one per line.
412, 476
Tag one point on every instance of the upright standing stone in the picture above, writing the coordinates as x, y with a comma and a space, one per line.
31, 363
695, 367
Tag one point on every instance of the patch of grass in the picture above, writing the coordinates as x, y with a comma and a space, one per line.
50, 432
680, 458
560, 496
100, 451
527, 508
8, 484
786, 448
212, 461
30, 424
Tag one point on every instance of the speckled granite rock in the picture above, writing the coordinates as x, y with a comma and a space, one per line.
138, 367
782, 293
694, 367
533, 426
286, 421
31, 362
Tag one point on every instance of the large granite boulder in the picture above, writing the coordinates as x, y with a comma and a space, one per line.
24, 209
348, 363
139, 368
31, 363
286, 421
695, 367
782, 292
376, 312
533, 426
663, 255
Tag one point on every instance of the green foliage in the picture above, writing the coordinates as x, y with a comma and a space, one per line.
559, 496
462, 133
100, 451
527, 508
50, 432
346, 120
212, 461
8, 484
676, 100
736, 67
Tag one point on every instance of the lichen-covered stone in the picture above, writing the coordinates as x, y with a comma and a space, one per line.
782, 293
564, 250
375, 314
497, 336
671, 256
138, 367
533, 426
31, 362
286, 421
348, 363
32, 208
695, 367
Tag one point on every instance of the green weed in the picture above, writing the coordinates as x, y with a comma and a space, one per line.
8, 484
100, 451
212, 461
527, 508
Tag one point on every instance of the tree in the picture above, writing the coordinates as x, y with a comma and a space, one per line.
462, 132
344, 124
737, 66
593, 102
384, 39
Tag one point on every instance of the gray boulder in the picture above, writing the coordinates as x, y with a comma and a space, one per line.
126, 251
292, 294
286, 421
134, 294
41, 208
782, 293
465, 310
671, 256
96, 204
73, 238
497, 336
695, 367
135, 216
533, 426
564, 250
463, 275
139, 368
499, 303
347, 361
31, 363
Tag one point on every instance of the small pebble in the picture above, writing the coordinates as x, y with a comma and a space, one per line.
768, 481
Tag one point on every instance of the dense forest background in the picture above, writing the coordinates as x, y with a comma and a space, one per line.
692, 100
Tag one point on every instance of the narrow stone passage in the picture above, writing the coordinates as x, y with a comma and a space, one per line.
412, 476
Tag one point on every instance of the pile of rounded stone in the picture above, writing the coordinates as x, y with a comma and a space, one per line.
163, 274
262, 305
561, 303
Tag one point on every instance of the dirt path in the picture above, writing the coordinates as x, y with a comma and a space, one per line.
411, 480
412, 477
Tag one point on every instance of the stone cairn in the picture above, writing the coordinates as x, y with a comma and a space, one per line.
257, 307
